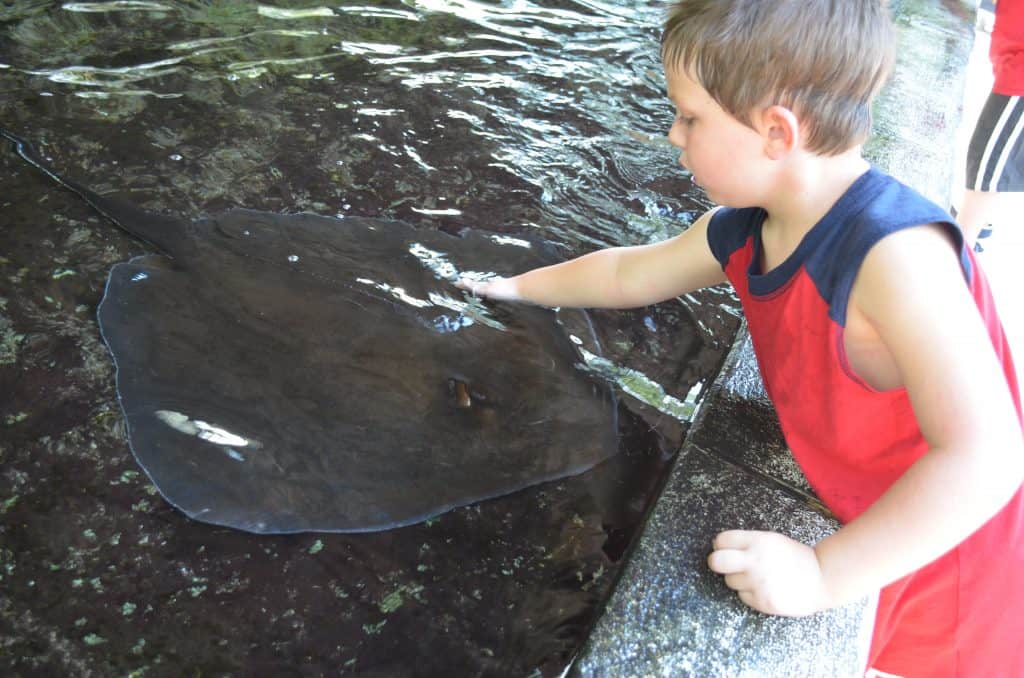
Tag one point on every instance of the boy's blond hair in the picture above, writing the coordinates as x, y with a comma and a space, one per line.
823, 59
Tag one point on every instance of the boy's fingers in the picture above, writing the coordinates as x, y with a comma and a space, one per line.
727, 561
749, 599
471, 286
738, 582
733, 539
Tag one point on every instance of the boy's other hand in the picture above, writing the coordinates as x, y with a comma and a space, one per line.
771, 572
499, 289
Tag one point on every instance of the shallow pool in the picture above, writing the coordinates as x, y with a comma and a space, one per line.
542, 120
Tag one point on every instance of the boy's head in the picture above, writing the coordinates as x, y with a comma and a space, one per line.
822, 59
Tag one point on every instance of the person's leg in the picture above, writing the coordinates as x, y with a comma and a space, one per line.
976, 212
995, 163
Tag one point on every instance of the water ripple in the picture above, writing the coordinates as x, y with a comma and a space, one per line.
561, 99
118, 6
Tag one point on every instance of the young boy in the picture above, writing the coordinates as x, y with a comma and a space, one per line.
874, 329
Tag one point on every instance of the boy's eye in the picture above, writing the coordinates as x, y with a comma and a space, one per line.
687, 120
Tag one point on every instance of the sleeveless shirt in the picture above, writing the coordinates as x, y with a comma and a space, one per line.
960, 614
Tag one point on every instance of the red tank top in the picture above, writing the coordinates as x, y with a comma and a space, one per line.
963, 613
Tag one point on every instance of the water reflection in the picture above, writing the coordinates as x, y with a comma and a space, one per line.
555, 97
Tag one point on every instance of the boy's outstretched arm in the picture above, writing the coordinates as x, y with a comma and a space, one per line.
911, 290
618, 277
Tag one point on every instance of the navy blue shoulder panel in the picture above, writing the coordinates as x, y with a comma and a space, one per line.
730, 228
876, 206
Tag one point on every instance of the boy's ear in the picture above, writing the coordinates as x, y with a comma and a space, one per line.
780, 129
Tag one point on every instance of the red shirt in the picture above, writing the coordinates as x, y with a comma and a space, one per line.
1007, 48
963, 613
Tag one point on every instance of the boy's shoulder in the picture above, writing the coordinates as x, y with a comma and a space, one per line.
878, 197
875, 206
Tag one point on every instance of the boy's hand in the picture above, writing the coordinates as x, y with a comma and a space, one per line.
500, 289
771, 572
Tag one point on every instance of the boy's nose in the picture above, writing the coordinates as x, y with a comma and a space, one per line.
675, 137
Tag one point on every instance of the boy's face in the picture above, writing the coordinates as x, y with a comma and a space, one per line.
725, 156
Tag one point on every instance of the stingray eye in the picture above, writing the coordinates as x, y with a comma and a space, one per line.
460, 391
462, 398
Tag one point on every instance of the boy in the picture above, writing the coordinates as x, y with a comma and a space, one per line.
874, 329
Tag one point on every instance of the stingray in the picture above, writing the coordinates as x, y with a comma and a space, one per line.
292, 372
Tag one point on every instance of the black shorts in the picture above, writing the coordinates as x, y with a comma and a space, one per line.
995, 157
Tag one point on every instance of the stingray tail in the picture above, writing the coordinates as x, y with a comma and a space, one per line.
164, 233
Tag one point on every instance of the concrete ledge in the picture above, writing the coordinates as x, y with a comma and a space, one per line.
669, 615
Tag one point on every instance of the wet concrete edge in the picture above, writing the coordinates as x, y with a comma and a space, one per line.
669, 615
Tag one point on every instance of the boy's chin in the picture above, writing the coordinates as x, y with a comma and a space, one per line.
720, 198
712, 194
729, 201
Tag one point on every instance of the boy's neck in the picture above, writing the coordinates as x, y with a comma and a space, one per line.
806, 188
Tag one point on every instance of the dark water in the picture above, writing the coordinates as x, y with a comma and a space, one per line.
541, 120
